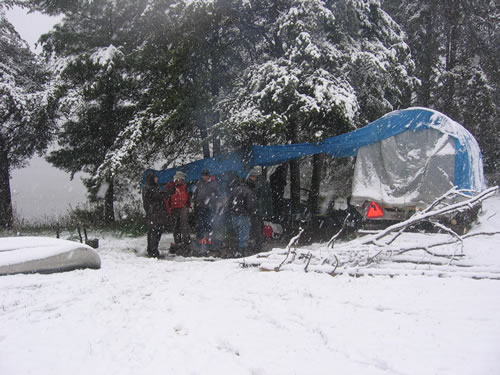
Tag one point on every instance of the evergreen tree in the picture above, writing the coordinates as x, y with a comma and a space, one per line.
455, 44
187, 57
25, 128
469, 86
319, 69
96, 94
286, 71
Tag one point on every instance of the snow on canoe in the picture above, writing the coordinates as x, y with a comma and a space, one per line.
44, 255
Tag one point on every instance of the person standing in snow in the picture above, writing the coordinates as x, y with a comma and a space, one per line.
241, 206
264, 207
156, 214
220, 222
205, 199
178, 206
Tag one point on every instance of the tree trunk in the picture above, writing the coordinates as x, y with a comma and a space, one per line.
452, 17
217, 146
204, 142
6, 215
427, 57
315, 184
294, 172
109, 197
295, 185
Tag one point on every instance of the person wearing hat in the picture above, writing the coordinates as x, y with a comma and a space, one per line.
178, 206
205, 199
152, 198
241, 206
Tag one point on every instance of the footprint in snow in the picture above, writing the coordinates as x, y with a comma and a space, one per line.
180, 330
224, 346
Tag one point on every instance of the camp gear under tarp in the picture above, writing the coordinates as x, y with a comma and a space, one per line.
396, 158
419, 155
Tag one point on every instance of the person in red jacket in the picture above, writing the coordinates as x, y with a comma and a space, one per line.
178, 205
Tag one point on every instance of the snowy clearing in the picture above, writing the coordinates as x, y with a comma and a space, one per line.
188, 316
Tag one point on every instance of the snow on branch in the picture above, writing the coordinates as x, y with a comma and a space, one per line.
440, 254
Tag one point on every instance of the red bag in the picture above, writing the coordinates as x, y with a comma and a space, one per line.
268, 231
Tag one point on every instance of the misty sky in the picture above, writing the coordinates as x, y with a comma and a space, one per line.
40, 191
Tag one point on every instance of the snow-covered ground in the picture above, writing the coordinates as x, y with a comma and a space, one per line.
188, 316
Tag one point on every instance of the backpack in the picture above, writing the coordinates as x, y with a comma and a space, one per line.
180, 197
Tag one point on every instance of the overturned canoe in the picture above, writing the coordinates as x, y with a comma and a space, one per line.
44, 255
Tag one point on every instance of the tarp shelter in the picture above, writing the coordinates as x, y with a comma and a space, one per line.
410, 157
405, 157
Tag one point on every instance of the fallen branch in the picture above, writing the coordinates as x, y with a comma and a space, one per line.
426, 250
309, 256
293, 242
331, 243
454, 234
336, 265
377, 254
424, 215
468, 235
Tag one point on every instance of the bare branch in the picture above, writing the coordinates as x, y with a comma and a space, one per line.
293, 241
309, 257
331, 243
357, 257
336, 265
479, 234
426, 215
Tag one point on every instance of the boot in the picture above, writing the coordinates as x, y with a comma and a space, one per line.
241, 252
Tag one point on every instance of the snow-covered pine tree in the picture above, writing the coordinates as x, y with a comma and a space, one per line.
189, 53
250, 72
320, 69
25, 128
423, 27
455, 45
96, 94
468, 89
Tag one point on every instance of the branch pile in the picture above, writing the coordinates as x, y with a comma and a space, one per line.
389, 252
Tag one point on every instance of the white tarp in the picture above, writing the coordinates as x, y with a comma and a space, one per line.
409, 169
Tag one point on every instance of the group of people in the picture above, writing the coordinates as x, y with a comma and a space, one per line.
243, 204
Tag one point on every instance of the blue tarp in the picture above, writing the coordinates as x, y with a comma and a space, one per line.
468, 162
468, 159
235, 161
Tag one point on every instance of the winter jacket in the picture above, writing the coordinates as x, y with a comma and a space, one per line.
242, 201
206, 194
152, 199
179, 195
